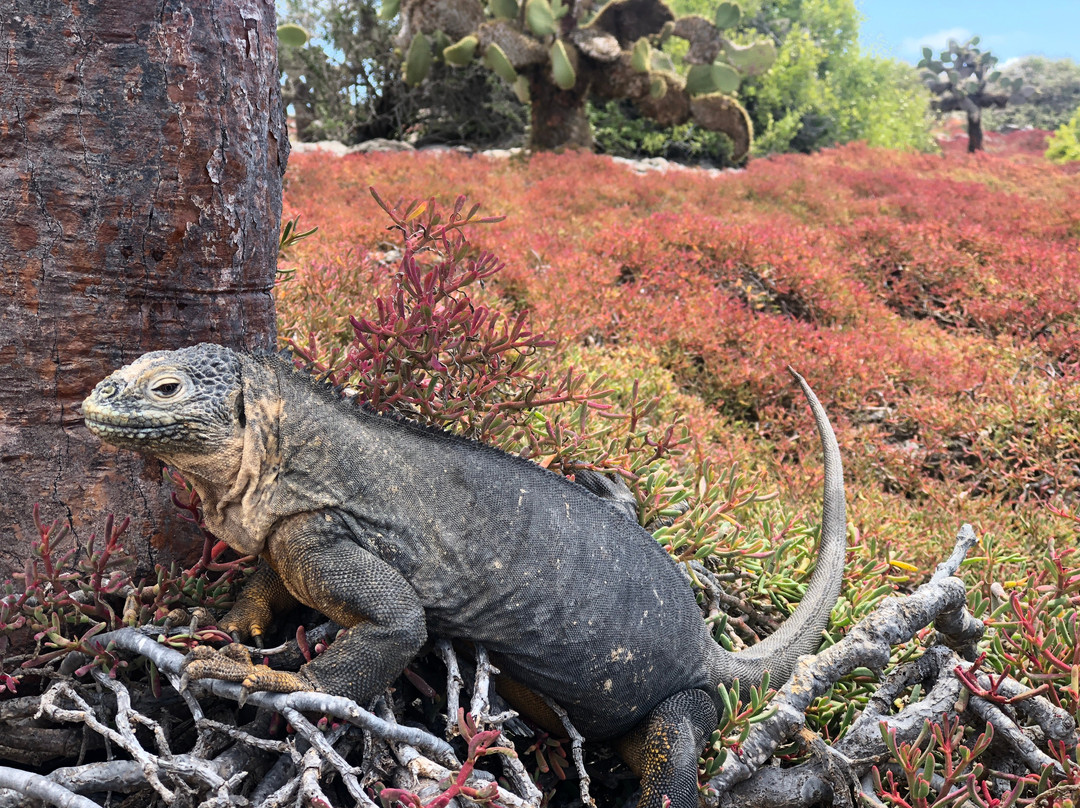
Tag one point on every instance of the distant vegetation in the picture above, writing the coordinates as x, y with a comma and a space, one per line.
348, 83
1064, 146
964, 78
1056, 95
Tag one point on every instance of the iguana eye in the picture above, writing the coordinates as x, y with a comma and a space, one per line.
166, 387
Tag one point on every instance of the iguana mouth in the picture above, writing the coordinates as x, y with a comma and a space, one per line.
112, 426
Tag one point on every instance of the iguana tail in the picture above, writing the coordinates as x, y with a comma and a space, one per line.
801, 633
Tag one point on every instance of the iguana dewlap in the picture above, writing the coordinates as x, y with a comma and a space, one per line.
400, 532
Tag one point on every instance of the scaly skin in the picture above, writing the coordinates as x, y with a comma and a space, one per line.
398, 532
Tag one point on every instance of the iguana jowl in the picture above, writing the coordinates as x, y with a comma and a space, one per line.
399, 532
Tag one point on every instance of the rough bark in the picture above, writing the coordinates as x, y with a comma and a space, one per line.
141, 153
559, 119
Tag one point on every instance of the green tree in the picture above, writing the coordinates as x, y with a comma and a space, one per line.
824, 89
346, 84
1057, 94
964, 79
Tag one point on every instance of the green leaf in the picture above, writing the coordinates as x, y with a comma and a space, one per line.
461, 52
751, 60
417, 60
699, 80
440, 44
561, 67
521, 89
495, 59
291, 35
389, 9
639, 57
727, 15
705, 79
661, 61
540, 17
725, 78
503, 9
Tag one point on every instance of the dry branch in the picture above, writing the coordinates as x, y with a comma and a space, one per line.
941, 600
169, 661
868, 645
838, 773
42, 788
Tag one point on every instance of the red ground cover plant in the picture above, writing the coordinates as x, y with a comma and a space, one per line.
930, 300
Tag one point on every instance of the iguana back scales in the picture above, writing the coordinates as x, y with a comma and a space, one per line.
400, 532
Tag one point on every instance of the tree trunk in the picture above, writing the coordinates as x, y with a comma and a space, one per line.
142, 147
558, 118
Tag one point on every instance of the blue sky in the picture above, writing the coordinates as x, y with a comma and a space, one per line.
1009, 28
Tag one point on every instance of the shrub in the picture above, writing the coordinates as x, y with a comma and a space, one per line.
1057, 86
346, 84
1064, 145
932, 303
620, 131
887, 279
824, 89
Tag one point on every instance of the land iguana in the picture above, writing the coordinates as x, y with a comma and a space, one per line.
399, 532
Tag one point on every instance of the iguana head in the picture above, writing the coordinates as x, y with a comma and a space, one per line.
166, 403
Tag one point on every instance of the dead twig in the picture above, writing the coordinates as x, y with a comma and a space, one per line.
169, 661
41, 788
454, 684
481, 710
576, 740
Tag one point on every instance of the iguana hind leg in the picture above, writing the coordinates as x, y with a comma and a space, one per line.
663, 749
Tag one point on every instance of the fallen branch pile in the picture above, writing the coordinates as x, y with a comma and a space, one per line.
354, 755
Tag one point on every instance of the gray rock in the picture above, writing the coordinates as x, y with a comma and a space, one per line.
334, 147
380, 144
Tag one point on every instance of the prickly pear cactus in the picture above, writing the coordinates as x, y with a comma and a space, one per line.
965, 78
554, 59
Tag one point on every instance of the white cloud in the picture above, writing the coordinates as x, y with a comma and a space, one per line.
937, 41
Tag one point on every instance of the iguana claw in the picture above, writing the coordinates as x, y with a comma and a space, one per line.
233, 664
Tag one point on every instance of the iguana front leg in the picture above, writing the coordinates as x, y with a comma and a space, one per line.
263, 596
318, 559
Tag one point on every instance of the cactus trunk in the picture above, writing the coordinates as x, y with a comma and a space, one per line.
559, 118
975, 133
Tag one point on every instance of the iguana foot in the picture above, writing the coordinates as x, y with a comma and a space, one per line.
233, 664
